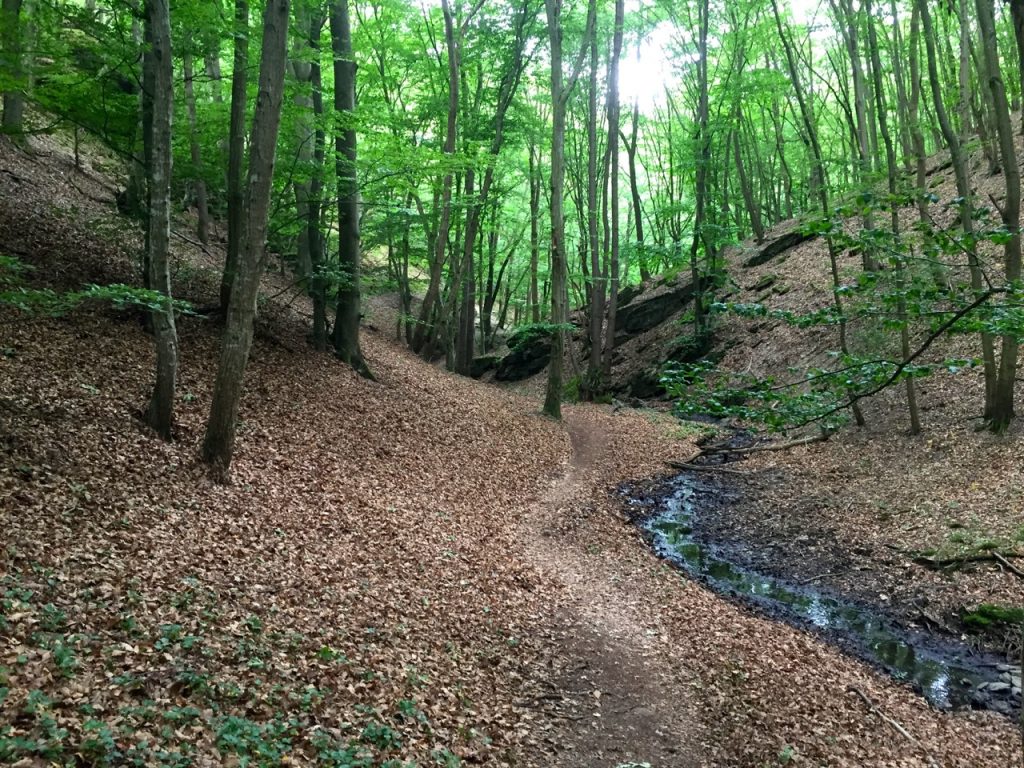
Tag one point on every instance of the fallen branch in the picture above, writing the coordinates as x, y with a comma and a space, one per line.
721, 450
934, 564
874, 710
822, 576
690, 466
1001, 559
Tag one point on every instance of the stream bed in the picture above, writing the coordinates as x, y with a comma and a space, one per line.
949, 674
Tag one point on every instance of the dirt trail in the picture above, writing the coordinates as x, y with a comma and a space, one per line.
616, 701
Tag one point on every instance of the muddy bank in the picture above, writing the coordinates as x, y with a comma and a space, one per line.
681, 519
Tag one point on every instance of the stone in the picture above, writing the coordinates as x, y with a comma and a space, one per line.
644, 314
778, 246
483, 364
628, 294
528, 357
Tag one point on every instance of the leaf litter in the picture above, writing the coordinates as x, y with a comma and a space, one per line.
400, 571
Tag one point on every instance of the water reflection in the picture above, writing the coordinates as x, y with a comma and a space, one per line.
944, 680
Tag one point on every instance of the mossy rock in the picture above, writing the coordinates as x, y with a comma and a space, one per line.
765, 282
990, 616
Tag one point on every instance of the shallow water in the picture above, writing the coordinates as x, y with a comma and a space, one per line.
944, 673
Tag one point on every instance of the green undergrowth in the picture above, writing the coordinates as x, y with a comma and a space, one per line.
144, 692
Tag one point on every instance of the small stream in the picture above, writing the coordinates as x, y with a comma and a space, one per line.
948, 674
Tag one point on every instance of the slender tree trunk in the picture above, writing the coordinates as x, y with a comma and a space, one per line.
753, 211
135, 191
211, 63
848, 18
891, 174
591, 385
510, 80
199, 185
534, 292
634, 191
236, 151
425, 334
160, 413
315, 207
963, 187
1002, 405
346, 323
703, 159
821, 185
560, 92
218, 446
1017, 17
12, 60
613, 156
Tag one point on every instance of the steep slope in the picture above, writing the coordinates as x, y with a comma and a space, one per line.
419, 568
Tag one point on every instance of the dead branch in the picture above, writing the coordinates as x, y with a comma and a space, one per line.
720, 449
689, 465
874, 710
1001, 559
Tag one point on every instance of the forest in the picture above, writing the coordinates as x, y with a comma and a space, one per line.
513, 383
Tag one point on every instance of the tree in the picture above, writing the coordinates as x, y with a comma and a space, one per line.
14, 97
346, 324
560, 93
236, 150
218, 446
160, 414
613, 153
195, 150
1002, 411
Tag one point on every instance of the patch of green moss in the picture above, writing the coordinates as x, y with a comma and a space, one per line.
988, 615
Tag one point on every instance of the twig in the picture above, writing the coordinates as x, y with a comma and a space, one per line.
687, 466
715, 450
822, 576
874, 710
999, 558
958, 562
189, 240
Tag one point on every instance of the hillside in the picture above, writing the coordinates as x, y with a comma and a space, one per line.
415, 569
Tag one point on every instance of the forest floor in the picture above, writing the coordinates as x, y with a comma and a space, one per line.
418, 568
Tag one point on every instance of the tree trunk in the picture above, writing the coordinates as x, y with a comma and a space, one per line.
199, 185
317, 245
1017, 16
160, 413
218, 446
891, 174
425, 334
634, 191
302, 71
613, 156
1002, 404
963, 188
236, 151
510, 80
14, 99
821, 186
753, 211
702, 160
591, 385
560, 92
346, 322
534, 292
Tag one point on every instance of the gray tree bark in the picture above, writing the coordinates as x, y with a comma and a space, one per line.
14, 99
218, 446
160, 413
346, 323
236, 150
